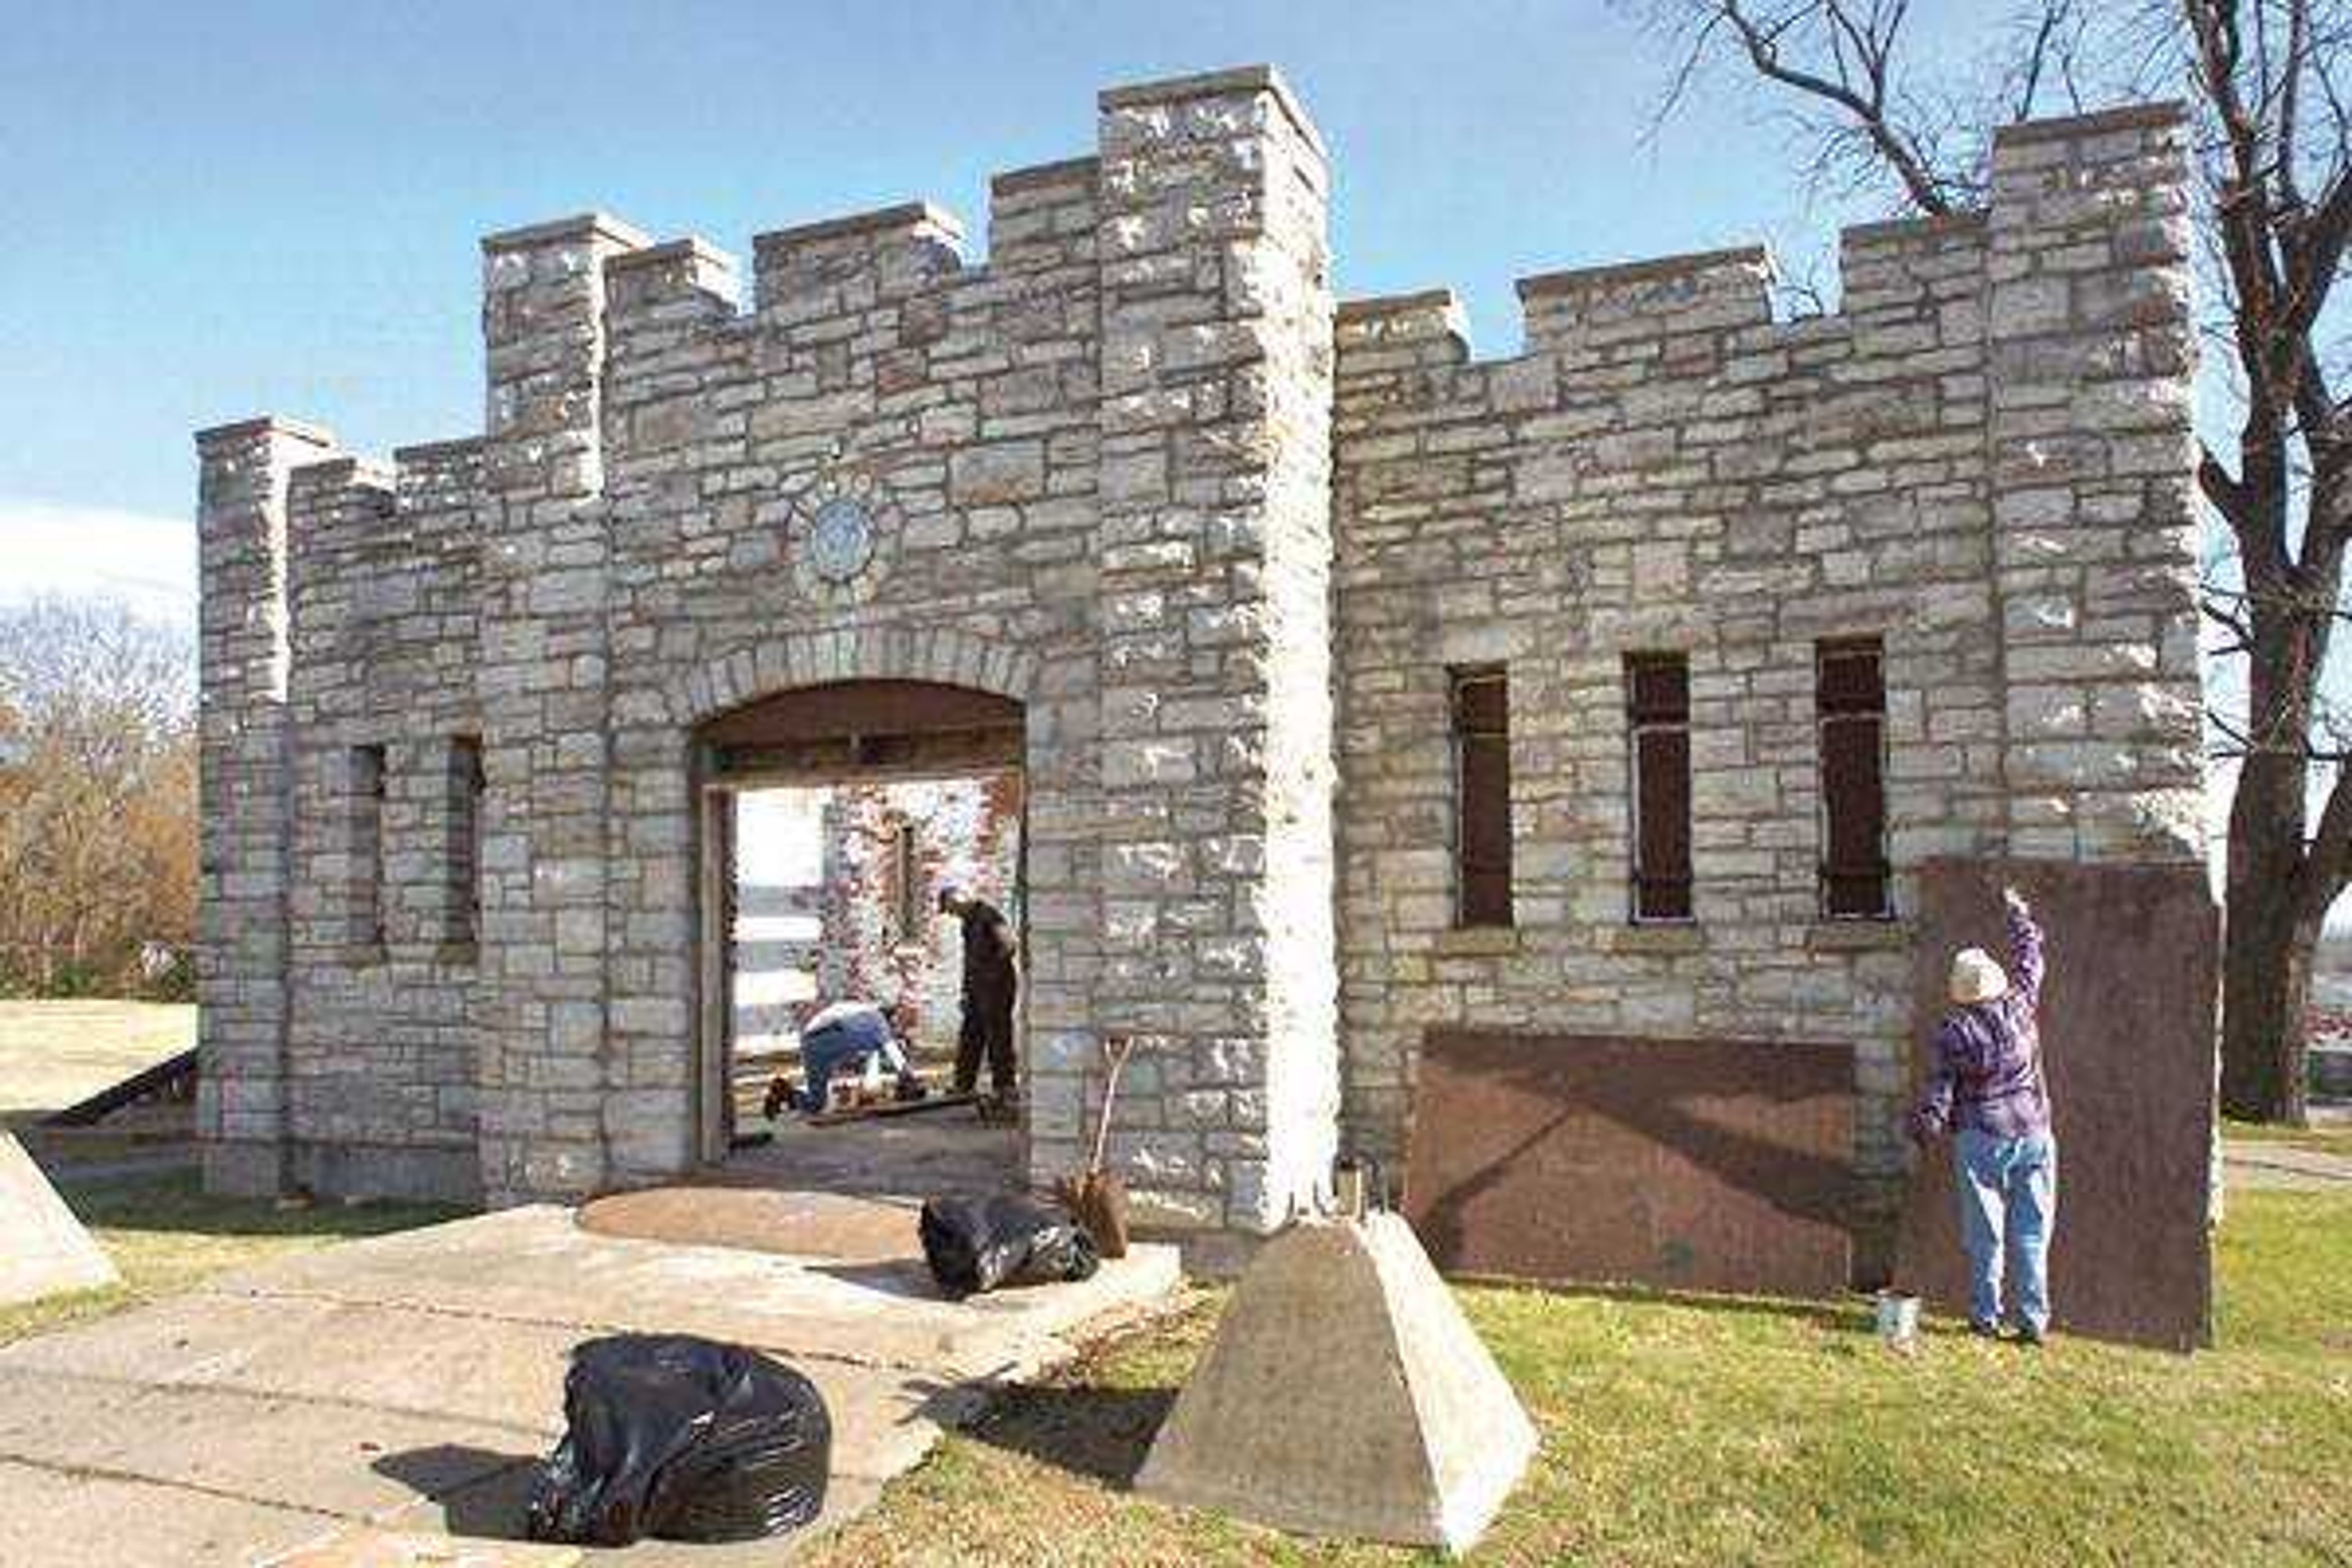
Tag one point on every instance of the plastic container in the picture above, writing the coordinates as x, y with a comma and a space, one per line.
1898, 1320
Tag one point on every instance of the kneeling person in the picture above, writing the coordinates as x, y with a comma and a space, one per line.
839, 1040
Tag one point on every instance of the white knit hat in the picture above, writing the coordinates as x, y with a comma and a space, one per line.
1976, 977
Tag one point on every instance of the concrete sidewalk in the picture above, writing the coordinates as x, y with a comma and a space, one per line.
410, 1381
2251, 1164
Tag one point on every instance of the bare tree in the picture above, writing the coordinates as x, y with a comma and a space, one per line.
97, 791
2263, 79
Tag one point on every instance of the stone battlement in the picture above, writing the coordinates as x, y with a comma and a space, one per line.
1589, 309
1241, 556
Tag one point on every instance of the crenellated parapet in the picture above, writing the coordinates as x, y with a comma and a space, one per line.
1584, 313
1912, 268
1979, 459
1230, 546
847, 264
840, 268
1042, 217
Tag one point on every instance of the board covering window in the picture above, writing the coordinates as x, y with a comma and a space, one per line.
1482, 782
1657, 707
1851, 695
367, 868
464, 845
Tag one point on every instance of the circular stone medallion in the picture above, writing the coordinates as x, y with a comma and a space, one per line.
841, 539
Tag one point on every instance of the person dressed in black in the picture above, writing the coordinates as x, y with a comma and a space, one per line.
989, 983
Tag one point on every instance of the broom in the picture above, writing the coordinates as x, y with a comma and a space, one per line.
1096, 1195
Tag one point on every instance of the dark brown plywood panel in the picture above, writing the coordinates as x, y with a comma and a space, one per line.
2127, 1037
1683, 1165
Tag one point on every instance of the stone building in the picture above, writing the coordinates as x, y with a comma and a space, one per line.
1357, 685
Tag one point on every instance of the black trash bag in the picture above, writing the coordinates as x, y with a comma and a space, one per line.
976, 1244
684, 1439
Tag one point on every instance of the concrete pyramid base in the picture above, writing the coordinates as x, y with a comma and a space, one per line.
1345, 1395
44, 1250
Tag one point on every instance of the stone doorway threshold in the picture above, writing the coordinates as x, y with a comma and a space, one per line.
409, 1382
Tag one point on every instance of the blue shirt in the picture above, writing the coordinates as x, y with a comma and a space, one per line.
840, 1038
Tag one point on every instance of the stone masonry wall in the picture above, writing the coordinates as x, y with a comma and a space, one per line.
381, 1057
1982, 459
1223, 545
970, 407
244, 656
1214, 544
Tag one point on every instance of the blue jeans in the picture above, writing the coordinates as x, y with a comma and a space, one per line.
2009, 1193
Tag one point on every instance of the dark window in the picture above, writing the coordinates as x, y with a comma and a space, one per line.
1657, 708
1482, 784
1851, 687
368, 889
465, 798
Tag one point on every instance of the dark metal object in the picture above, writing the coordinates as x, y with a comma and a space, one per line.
1682, 1165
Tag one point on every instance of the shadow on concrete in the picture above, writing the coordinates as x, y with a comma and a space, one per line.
1102, 1434
480, 1492
909, 1279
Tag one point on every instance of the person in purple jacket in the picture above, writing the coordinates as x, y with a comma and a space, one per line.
1987, 1090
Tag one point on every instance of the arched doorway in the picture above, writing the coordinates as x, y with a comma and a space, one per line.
847, 745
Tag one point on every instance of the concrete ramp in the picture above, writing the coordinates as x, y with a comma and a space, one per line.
1345, 1395
44, 1250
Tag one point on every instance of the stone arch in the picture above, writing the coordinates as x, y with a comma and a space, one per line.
868, 653
749, 673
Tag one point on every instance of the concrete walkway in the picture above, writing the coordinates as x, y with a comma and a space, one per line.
2249, 1163
410, 1381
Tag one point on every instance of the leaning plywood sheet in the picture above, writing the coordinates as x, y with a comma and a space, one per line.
1686, 1164
2127, 1039
44, 1250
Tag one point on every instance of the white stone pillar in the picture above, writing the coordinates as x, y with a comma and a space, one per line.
1214, 553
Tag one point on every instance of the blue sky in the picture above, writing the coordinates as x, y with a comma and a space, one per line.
220, 210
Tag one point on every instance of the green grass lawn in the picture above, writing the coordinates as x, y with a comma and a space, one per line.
55, 1053
1674, 1430
165, 1236
1683, 1432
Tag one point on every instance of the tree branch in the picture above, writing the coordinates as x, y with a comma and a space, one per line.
1926, 188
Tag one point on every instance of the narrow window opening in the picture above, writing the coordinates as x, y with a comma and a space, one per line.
465, 846
367, 868
1482, 782
906, 912
1850, 684
1657, 707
